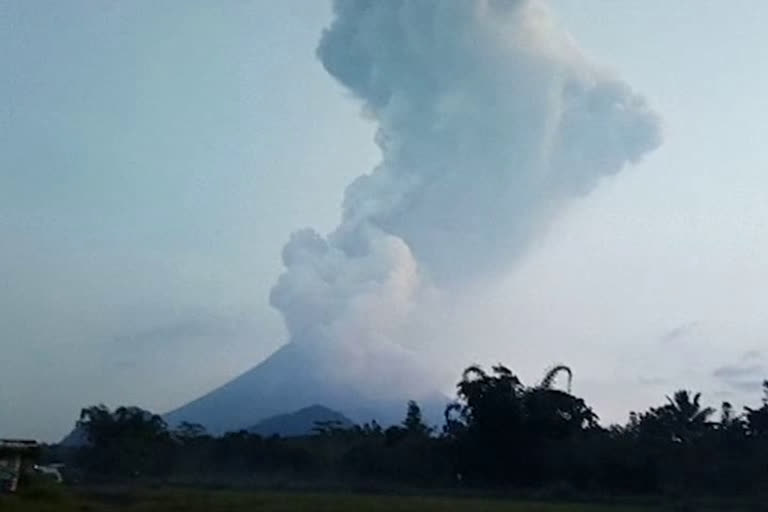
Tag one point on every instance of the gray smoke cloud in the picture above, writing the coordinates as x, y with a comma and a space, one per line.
489, 120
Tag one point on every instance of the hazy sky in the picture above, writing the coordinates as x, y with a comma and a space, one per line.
154, 158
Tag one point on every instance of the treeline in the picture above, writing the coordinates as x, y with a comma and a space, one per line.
498, 433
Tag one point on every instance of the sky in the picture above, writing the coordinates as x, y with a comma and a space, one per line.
154, 158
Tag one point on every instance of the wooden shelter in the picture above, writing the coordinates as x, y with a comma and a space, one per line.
16, 457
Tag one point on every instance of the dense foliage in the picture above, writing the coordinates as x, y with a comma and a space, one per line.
498, 432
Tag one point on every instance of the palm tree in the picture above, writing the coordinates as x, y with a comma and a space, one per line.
685, 416
549, 377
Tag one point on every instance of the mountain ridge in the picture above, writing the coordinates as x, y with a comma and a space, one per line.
290, 380
300, 423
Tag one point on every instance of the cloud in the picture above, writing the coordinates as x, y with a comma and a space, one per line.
189, 325
191, 332
490, 122
731, 372
679, 332
752, 355
746, 375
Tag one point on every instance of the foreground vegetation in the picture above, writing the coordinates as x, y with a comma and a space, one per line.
50, 500
498, 434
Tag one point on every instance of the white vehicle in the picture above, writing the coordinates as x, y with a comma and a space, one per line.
52, 471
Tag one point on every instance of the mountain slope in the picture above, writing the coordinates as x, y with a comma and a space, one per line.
289, 380
300, 423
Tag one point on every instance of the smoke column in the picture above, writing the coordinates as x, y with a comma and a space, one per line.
489, 122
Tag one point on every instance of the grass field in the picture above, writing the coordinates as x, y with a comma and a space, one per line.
227, 501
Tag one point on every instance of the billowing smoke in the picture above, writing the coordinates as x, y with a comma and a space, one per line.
489, 122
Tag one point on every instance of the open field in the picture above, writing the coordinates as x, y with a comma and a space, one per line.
59, 499
226, 501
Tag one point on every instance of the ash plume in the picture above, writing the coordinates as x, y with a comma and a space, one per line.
490, 121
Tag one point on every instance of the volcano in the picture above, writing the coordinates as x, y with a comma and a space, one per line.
490, 122
289, 380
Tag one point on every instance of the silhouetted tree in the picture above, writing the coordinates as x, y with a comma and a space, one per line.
757, 419
497, 419
414, 422
497, 432
681, 420
129, 441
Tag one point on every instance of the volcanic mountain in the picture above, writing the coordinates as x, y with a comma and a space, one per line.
303, 422
289, 380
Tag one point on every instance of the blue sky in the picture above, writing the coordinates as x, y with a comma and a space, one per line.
155, 157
